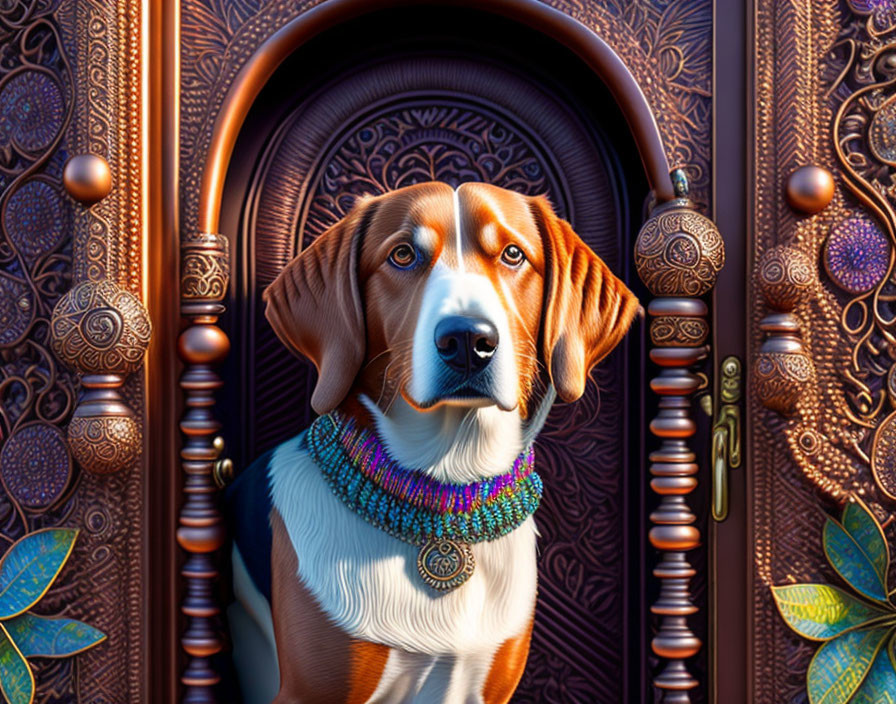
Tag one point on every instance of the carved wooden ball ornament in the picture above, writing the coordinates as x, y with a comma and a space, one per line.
99, 328
103, 444
785, 276
679, 252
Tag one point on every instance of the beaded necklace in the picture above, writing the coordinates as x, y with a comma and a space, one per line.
442, 519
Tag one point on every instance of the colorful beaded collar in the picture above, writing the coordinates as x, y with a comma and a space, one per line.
442, 519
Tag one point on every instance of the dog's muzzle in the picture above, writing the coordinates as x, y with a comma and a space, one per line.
466, 345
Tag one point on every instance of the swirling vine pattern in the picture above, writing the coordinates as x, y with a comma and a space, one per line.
859, 254
37, 394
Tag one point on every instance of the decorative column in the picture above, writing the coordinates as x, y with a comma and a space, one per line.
202, 346
678, 255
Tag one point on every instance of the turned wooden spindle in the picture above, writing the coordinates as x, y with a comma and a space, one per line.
202, 347
678, 255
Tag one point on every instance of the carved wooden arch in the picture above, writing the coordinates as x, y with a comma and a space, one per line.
593, 50
678, 255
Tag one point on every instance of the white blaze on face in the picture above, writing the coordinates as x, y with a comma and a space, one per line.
451, 290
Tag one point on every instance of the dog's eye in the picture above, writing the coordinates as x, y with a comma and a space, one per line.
403, 256
512, 255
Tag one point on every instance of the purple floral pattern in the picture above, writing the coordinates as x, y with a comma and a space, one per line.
857, 255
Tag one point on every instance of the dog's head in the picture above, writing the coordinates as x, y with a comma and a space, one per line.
466, 296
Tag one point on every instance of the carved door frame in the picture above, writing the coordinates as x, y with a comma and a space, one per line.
678, 256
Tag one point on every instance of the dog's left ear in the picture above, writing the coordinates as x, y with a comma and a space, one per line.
586, 309
314, 305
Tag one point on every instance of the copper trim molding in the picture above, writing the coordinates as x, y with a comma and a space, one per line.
553, 23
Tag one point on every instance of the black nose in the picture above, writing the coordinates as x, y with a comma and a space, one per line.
466, 344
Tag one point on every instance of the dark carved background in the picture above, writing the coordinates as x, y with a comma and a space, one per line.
404, 117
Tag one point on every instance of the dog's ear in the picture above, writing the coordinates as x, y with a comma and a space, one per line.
314, 305
586, 309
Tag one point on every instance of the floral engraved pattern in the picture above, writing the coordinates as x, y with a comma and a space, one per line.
452, 143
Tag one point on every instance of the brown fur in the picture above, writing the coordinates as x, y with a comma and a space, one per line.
318, 661
507, 668
342, 305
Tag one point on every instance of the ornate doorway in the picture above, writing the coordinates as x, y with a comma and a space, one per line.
457, 105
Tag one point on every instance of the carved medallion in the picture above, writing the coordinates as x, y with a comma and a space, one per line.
31, 112
857, 255
449, 141
883, 456
445, 564
35, 465
35, 219
882, 133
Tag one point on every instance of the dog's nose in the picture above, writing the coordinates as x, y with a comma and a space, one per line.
466, 344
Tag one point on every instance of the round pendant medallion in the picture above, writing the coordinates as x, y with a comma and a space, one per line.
445, 564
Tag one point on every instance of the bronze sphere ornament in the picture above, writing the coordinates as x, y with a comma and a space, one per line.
809, 189
783, 369
679, 252
101, 331
87, 178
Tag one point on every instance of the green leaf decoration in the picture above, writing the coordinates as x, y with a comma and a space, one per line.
30, 566
16, 678
879, 687
856, 566
821, 612
840, 665
39, 636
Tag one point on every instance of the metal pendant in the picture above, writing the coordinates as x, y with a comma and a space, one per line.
445, 564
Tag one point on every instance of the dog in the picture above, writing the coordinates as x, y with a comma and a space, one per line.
443, 324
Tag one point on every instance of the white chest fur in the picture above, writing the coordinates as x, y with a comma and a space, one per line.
367, 581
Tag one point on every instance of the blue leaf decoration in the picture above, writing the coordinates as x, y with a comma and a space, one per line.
859, 568
841, 665
879, 686
861, 524
30, 566
16, 678
39, 636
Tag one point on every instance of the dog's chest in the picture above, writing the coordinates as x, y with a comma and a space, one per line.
367, 582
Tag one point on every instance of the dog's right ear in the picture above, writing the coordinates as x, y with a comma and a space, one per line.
314, 305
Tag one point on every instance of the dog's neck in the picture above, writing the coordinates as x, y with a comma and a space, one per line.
454, 444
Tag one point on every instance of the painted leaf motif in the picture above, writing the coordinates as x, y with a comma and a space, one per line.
852, 562
16, 678
51, 637
820, 611
840, 665
30, 566
861, 524
879, 686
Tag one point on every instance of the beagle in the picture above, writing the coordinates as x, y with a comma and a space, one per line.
443, 324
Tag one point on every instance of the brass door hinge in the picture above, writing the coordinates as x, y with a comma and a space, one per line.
726, 435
